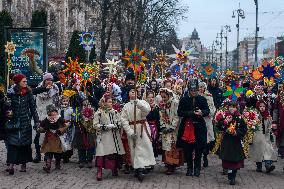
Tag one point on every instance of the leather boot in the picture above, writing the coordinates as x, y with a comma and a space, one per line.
37, 159
115, 172
170, 170
57, 164
126, 169
99, 174
140, 175
11, 170
196, 172
258, 166
232, 176
47, 166
269, 166
23, 168
205, 161
189, 171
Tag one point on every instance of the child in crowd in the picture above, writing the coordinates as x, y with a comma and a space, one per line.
53, 126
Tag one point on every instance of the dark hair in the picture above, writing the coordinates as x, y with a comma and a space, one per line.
217, 83
18, 91
150, 92
128, 89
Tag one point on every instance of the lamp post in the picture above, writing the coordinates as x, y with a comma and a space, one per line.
256, 32
227, 29
241, 14
221, 47
213, 47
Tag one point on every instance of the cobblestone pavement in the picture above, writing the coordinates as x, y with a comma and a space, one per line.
71, 177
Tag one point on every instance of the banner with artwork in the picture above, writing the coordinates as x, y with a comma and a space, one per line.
30, 55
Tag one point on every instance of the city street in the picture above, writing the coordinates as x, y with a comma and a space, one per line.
71, 177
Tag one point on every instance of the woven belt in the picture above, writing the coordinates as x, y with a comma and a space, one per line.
143, 125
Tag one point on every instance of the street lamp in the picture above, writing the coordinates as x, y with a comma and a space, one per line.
240, 14
256, 31
221, 47
227, 29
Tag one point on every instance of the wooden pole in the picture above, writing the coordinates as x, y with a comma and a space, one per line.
8, 73
135, 108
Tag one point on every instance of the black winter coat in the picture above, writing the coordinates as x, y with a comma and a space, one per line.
217, 94
231, 147
2, 115
24, 109
186, 108
154, 116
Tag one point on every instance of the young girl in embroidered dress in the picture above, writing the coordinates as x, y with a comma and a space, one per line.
109, 145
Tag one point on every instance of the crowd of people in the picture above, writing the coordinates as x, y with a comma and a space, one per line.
118, 124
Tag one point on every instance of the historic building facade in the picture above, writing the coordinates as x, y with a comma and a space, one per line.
63, 17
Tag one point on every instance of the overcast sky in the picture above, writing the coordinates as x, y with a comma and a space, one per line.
207, 16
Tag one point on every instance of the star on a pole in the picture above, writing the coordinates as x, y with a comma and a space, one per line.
10, 48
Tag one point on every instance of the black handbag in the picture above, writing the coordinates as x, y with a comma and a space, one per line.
12, 125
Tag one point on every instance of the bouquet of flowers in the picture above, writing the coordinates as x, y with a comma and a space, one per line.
251, 117
220, 115
88, 113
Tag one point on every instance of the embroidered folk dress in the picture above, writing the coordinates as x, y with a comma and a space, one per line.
109, 144
261, 147
141, 149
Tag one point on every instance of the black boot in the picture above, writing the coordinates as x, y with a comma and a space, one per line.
232, 177
205, 161
57, 164
140, 175
189, 171
233, 181
196, 172
269, 166
37, 159
258, 166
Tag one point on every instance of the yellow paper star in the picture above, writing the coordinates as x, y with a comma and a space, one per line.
10, 48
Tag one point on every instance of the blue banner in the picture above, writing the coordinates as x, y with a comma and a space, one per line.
30, 56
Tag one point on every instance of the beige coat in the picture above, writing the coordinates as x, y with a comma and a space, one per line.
208, 119
108, 140
171, 112
141, 149
261, 147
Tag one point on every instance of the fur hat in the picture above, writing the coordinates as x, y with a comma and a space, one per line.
18, 78
51, 108
167, 91
47, 76
130, 76
202, 84
192, 84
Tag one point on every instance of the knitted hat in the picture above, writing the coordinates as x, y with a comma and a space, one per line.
51, 108
202, 84
18, 78
130, 76
192, 84
47, 76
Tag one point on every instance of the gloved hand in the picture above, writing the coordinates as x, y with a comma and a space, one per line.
134, 136
111, 126
104, 128
164, 130
170, 130
36, 126
58, 132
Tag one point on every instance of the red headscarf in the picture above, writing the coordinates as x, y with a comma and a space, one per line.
18, 78
264, 114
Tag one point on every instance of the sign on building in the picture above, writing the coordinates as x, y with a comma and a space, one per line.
30, 57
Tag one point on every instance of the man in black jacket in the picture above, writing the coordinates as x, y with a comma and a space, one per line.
192, 134
216, 92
